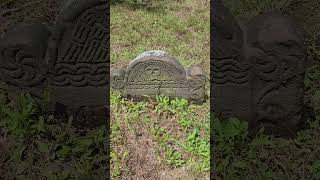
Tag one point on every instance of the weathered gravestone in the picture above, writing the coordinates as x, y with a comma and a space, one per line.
157, 73
69, 59
258, 71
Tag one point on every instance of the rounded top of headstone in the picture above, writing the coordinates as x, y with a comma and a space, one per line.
157, 55
228, 34
80, 24
273, 27
71, 9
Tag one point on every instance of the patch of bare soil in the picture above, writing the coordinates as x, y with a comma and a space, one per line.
142, 162
174, 129
181, 173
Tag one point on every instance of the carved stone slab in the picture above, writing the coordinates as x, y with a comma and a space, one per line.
78, 54
22, 49
156, 72
69, 59
258, 70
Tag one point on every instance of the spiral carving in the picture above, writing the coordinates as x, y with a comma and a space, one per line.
22, 55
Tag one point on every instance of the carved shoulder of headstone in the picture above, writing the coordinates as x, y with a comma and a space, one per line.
156, 72
22, 52
196, 83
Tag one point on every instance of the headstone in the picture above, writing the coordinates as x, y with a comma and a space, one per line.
229, 70
258, 71
158, 73
69, 59
22, 66
78, 54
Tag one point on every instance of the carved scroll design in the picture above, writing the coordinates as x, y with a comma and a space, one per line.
80, 74
21, 55
82, 41
89, 38
20, 69
154, 74
229, 71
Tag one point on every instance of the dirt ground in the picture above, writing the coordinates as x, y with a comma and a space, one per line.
14, 11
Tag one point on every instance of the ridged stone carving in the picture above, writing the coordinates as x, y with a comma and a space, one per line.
158, 73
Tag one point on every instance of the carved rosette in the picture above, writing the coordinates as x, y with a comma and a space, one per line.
22, 64
156, 72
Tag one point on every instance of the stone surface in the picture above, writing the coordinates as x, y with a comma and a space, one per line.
155, 73
258, 71
70, 59
22, 50
78, 54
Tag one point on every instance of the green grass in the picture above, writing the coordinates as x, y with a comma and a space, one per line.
34, 144
179, 28
236, 156
161, 137
179, 133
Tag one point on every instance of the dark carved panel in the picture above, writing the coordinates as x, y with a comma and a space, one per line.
230, 72
21, 55
154, 73
277, 54
78, 54
69, 59
260, 77
22, 50
82, 46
